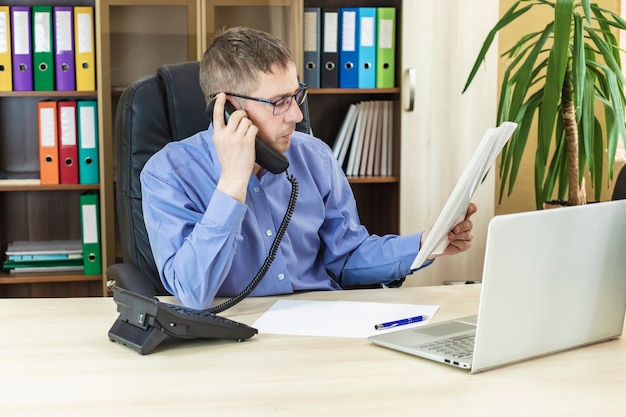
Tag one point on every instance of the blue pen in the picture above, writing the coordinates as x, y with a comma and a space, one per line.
401, 322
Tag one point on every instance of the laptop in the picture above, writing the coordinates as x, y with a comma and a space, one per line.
552, 280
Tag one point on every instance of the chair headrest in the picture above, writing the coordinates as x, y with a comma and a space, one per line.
184, 99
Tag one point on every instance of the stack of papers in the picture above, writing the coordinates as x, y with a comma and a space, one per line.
455, 208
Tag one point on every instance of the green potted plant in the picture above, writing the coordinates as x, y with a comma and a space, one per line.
568, 78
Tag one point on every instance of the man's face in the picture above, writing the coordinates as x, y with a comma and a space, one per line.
276, 131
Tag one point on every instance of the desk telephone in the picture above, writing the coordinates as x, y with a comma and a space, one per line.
266, 156
144, 322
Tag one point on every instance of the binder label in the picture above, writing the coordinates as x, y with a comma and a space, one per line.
68, 123
64, 31
85, 45
310, 36
386, 33
48, 127
4, 33
90, 224
367, 31
42, 32
21, 43
348, 35
331, 21
87, 128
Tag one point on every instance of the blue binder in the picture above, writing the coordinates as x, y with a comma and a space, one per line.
367, 47
88, 167
348, 44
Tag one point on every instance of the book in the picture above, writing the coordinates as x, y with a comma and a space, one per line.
19, 178
45, 257
454, 210
46, 269
356, 148
43, 263
368, 139
386, 151
44, 247
344, 136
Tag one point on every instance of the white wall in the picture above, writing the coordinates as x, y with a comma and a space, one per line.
441, 39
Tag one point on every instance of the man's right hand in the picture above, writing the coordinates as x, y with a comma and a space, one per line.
234, 143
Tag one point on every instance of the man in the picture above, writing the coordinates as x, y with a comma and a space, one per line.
212, 213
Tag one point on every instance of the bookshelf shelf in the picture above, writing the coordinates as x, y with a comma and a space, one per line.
352, 91
374, 180
55, 277
48, 94
55, 187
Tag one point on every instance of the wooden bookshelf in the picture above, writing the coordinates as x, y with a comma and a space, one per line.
38, 212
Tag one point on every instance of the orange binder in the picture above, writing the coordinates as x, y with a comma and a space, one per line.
6, 63
48, 144
68, 143
84, 48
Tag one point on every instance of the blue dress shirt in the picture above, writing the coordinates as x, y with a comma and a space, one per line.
207, 244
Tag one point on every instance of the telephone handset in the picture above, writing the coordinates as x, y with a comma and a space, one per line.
266, 156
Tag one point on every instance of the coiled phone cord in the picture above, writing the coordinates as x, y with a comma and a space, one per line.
271, 255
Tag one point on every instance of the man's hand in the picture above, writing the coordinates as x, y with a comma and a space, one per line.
460, 237
234, 143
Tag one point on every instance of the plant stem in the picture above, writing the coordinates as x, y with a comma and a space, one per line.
576, 191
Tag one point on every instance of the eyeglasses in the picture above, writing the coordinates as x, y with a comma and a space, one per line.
282, 104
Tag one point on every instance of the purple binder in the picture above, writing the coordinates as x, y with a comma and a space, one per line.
22, 52
64, 63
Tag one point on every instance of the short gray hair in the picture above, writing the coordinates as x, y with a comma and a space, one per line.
236, 57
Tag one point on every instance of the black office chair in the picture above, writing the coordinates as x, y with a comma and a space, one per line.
153, 111
619, 192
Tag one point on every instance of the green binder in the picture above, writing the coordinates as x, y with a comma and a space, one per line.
385, 47
43, 51
90, 223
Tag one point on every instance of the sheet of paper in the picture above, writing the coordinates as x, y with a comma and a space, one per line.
337, 318
454, 210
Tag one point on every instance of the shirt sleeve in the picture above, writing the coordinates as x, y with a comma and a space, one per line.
353, 256
193, 248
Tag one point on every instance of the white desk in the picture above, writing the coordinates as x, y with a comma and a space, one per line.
56, 359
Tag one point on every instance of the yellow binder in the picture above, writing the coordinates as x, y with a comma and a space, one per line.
6, 73
84, 48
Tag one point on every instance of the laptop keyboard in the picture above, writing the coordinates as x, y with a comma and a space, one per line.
458, 347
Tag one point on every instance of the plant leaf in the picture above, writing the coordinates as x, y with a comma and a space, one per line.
557, 64
578, 64
507, 18
524, 75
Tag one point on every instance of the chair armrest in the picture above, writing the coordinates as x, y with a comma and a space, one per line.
132, 278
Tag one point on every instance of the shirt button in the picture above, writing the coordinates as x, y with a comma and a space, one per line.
281, 276
268, 232
257, 189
